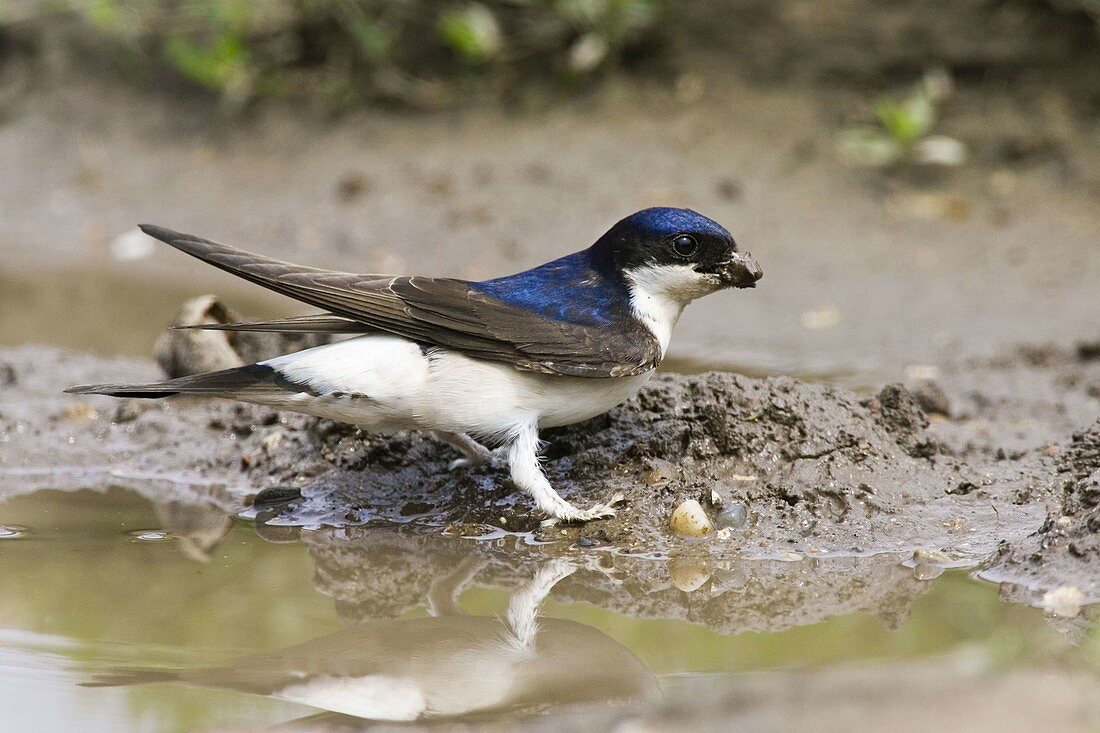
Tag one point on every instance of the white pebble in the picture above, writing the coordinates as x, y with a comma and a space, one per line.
1065, 601
689, 520
940, 150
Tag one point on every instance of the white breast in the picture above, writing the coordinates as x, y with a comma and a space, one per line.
489, 393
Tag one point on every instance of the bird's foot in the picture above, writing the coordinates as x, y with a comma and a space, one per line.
570, 513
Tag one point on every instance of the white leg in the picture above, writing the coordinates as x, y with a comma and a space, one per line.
473, 452
527, 474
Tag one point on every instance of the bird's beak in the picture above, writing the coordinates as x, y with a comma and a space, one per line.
742, 271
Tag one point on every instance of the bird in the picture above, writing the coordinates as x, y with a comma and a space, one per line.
476, 362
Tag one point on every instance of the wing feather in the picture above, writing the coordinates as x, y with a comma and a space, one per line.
440, 311
311, 323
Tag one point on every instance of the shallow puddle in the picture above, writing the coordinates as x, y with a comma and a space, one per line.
118, 614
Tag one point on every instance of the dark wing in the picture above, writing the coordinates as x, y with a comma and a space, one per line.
444, 312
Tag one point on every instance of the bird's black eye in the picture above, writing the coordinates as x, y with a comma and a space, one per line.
684, 245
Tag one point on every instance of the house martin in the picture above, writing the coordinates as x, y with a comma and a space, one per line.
477, 362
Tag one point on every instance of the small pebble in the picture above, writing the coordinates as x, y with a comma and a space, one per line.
940, 150
126, 412
270, 443
275, 496
689, 520
733, 517
931, 398
80, 412
1065, 601
662, 473
928, 557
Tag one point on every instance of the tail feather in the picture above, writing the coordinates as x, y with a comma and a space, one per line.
138, 391
254, 379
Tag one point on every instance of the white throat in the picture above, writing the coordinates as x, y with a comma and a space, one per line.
658, 294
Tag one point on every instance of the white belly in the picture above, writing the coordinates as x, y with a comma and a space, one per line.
387, 383
480, 392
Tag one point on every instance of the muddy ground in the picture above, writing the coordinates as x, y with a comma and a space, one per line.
993, 477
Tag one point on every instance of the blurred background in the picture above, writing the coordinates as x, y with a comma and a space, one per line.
918, 179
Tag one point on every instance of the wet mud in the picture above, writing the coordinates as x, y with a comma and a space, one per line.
981, 466
1064, 553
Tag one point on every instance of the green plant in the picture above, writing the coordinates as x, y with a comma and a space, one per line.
472, 32
903, 130
338, 52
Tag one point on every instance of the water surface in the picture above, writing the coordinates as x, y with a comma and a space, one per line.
191, 619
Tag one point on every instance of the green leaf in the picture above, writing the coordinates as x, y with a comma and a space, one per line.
214, 66
471, 32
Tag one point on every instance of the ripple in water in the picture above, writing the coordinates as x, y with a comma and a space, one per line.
11, 531
149, 535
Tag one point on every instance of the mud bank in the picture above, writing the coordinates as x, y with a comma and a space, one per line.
826, 475
1063, 556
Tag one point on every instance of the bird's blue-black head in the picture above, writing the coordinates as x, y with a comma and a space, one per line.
593, 286
662, 236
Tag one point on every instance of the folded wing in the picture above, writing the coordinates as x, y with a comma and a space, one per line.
439, 311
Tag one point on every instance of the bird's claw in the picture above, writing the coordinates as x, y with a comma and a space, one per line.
572, 514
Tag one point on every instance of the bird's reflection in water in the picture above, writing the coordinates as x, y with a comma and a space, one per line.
448, 665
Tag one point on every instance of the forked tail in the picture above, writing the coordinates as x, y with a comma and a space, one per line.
254, 379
